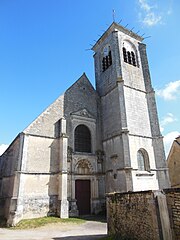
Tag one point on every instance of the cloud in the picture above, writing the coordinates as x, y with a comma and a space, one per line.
168, 140
3, 148
151, 19
169, 12
169, 118
170, 91
149, 15
144, 5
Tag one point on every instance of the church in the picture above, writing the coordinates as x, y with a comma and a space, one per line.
89, 142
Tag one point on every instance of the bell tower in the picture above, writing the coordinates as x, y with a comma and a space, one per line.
131, 138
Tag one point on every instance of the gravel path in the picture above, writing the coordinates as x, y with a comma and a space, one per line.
86, 231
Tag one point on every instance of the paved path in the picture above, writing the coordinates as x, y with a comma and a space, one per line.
87, 231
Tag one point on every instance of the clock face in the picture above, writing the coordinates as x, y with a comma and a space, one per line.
105, 51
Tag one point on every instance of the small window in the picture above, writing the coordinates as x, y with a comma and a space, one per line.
82, 139
107, 58
143, 160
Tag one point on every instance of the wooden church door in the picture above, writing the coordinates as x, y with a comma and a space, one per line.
83, 196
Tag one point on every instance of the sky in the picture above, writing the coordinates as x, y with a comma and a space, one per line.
45, 46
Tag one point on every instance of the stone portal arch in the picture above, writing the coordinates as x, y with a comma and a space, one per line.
83, 167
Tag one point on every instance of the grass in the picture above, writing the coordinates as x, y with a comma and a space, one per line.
39, 222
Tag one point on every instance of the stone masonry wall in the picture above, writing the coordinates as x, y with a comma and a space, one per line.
9, 163
144, 215
132, 215
81, 95
47, 123
173, 202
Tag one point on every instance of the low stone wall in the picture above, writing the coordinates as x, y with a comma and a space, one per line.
173, 202
132, 215
144, 215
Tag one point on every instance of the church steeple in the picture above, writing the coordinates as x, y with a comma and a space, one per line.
116, 46
129, 116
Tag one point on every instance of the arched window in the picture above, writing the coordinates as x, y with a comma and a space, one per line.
129, 53
143, 160
107, 58
82, 139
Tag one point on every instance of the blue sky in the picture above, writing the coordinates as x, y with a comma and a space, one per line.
44, 48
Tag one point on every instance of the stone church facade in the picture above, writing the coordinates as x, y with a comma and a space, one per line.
89, 142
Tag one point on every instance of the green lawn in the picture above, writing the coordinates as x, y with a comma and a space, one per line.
39, 222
